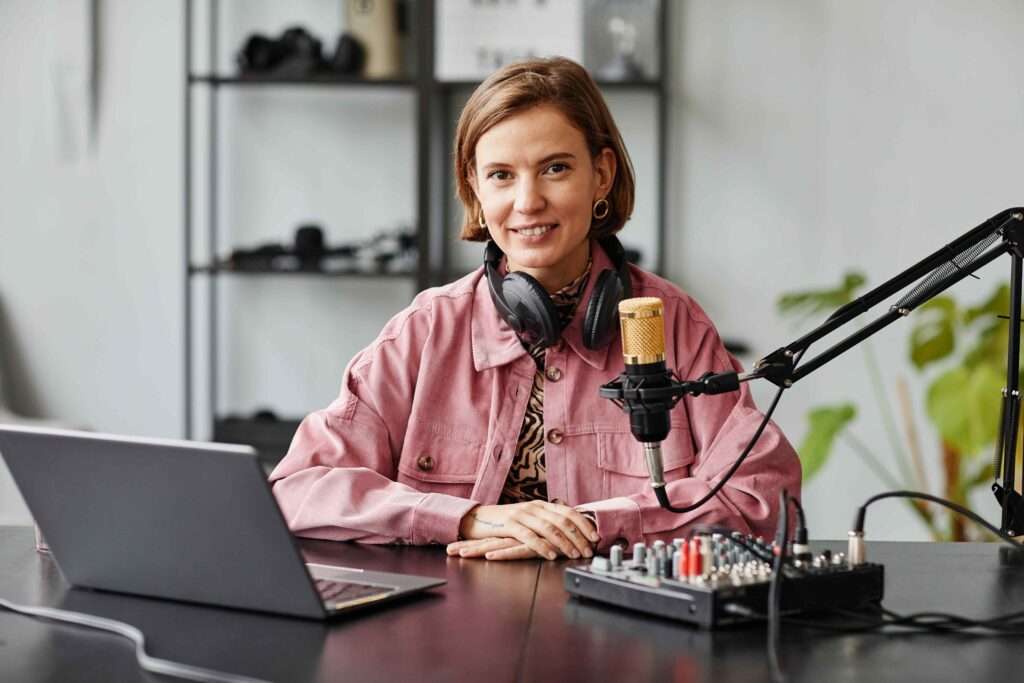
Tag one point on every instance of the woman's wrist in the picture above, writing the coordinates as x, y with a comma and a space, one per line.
464, 524
475, 524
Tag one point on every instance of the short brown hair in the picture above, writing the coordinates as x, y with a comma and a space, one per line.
520, 86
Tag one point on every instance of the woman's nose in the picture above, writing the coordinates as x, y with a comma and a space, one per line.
528, 198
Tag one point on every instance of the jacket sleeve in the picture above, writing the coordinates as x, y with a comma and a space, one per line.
720, 426
338, 479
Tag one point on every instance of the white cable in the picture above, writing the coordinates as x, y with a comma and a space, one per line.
151, 664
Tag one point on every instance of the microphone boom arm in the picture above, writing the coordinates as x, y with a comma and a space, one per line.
941, 270
777, 367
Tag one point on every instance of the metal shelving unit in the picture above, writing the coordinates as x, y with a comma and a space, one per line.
433, 184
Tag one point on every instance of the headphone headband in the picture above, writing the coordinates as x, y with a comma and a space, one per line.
524, 304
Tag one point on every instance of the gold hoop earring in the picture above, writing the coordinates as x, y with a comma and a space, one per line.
605, 209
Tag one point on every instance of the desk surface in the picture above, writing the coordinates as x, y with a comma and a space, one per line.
504, 622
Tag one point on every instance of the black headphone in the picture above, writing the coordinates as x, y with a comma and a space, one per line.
523, 303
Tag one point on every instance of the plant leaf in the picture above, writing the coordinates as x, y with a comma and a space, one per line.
933, 336
826, 423
813, 301
990, 347
964, 404
997, 304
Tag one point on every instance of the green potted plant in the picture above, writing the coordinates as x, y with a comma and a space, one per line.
961, 353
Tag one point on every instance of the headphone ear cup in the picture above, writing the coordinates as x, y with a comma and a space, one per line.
599, 321
496, 286
531, 304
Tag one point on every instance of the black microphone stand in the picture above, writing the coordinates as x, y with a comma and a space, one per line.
944, 268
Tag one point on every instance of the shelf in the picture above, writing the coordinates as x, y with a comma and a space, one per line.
435, 108
270, 436
334, 80
369, 274
329, 80
654, 86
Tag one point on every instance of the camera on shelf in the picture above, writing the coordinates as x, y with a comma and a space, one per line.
297, 53
389, 251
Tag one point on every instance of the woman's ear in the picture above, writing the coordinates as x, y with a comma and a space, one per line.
605, 167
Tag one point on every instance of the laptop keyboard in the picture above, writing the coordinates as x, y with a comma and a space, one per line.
341, 594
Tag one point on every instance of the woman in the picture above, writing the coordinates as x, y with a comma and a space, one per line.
453, 428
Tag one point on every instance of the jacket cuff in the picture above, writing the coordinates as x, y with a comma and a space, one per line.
436, 518
618, 522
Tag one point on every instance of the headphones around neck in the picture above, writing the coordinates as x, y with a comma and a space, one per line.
524, 304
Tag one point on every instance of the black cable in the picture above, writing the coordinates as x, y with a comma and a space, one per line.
799, 511
932, 622
801, 531
858, 522
662, 495
775, 588
935, 622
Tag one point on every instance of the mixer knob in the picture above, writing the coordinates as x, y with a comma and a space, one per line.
639, 554
616, 557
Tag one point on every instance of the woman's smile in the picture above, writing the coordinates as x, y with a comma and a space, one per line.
533, 232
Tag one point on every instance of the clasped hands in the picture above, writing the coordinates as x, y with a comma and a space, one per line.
520, 531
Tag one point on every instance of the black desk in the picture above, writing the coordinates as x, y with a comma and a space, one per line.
504, 622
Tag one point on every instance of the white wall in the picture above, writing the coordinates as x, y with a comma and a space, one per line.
90, 248
807, 138
815, 137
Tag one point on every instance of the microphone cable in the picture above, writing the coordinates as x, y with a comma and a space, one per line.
662, 495
775, 588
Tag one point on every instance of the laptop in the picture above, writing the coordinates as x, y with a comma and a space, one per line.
181, 520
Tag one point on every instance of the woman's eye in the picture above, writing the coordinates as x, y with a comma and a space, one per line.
557, 168
498, 175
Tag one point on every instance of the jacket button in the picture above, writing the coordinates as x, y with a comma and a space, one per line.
553, 374
555, 435
425, 463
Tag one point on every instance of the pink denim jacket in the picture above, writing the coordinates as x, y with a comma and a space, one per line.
429, 414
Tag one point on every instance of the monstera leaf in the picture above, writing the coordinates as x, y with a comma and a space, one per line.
933, 337
991, 344
817, 300
990, 347
826, 423
998, 304
964, 405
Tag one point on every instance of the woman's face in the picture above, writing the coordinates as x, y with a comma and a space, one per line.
537, 184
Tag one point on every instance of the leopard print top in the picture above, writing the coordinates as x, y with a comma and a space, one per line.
527, 477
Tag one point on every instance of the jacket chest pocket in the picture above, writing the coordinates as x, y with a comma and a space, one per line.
623, 468
435, 461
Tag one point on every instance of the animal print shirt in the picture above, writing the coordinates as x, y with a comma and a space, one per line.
527, 477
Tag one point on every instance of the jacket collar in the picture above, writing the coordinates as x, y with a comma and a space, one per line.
495, 343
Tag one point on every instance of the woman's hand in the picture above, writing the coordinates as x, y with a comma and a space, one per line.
492, 549
546, 529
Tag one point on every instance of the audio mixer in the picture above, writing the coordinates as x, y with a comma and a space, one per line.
714, 580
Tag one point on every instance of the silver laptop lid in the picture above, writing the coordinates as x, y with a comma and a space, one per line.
158, 517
